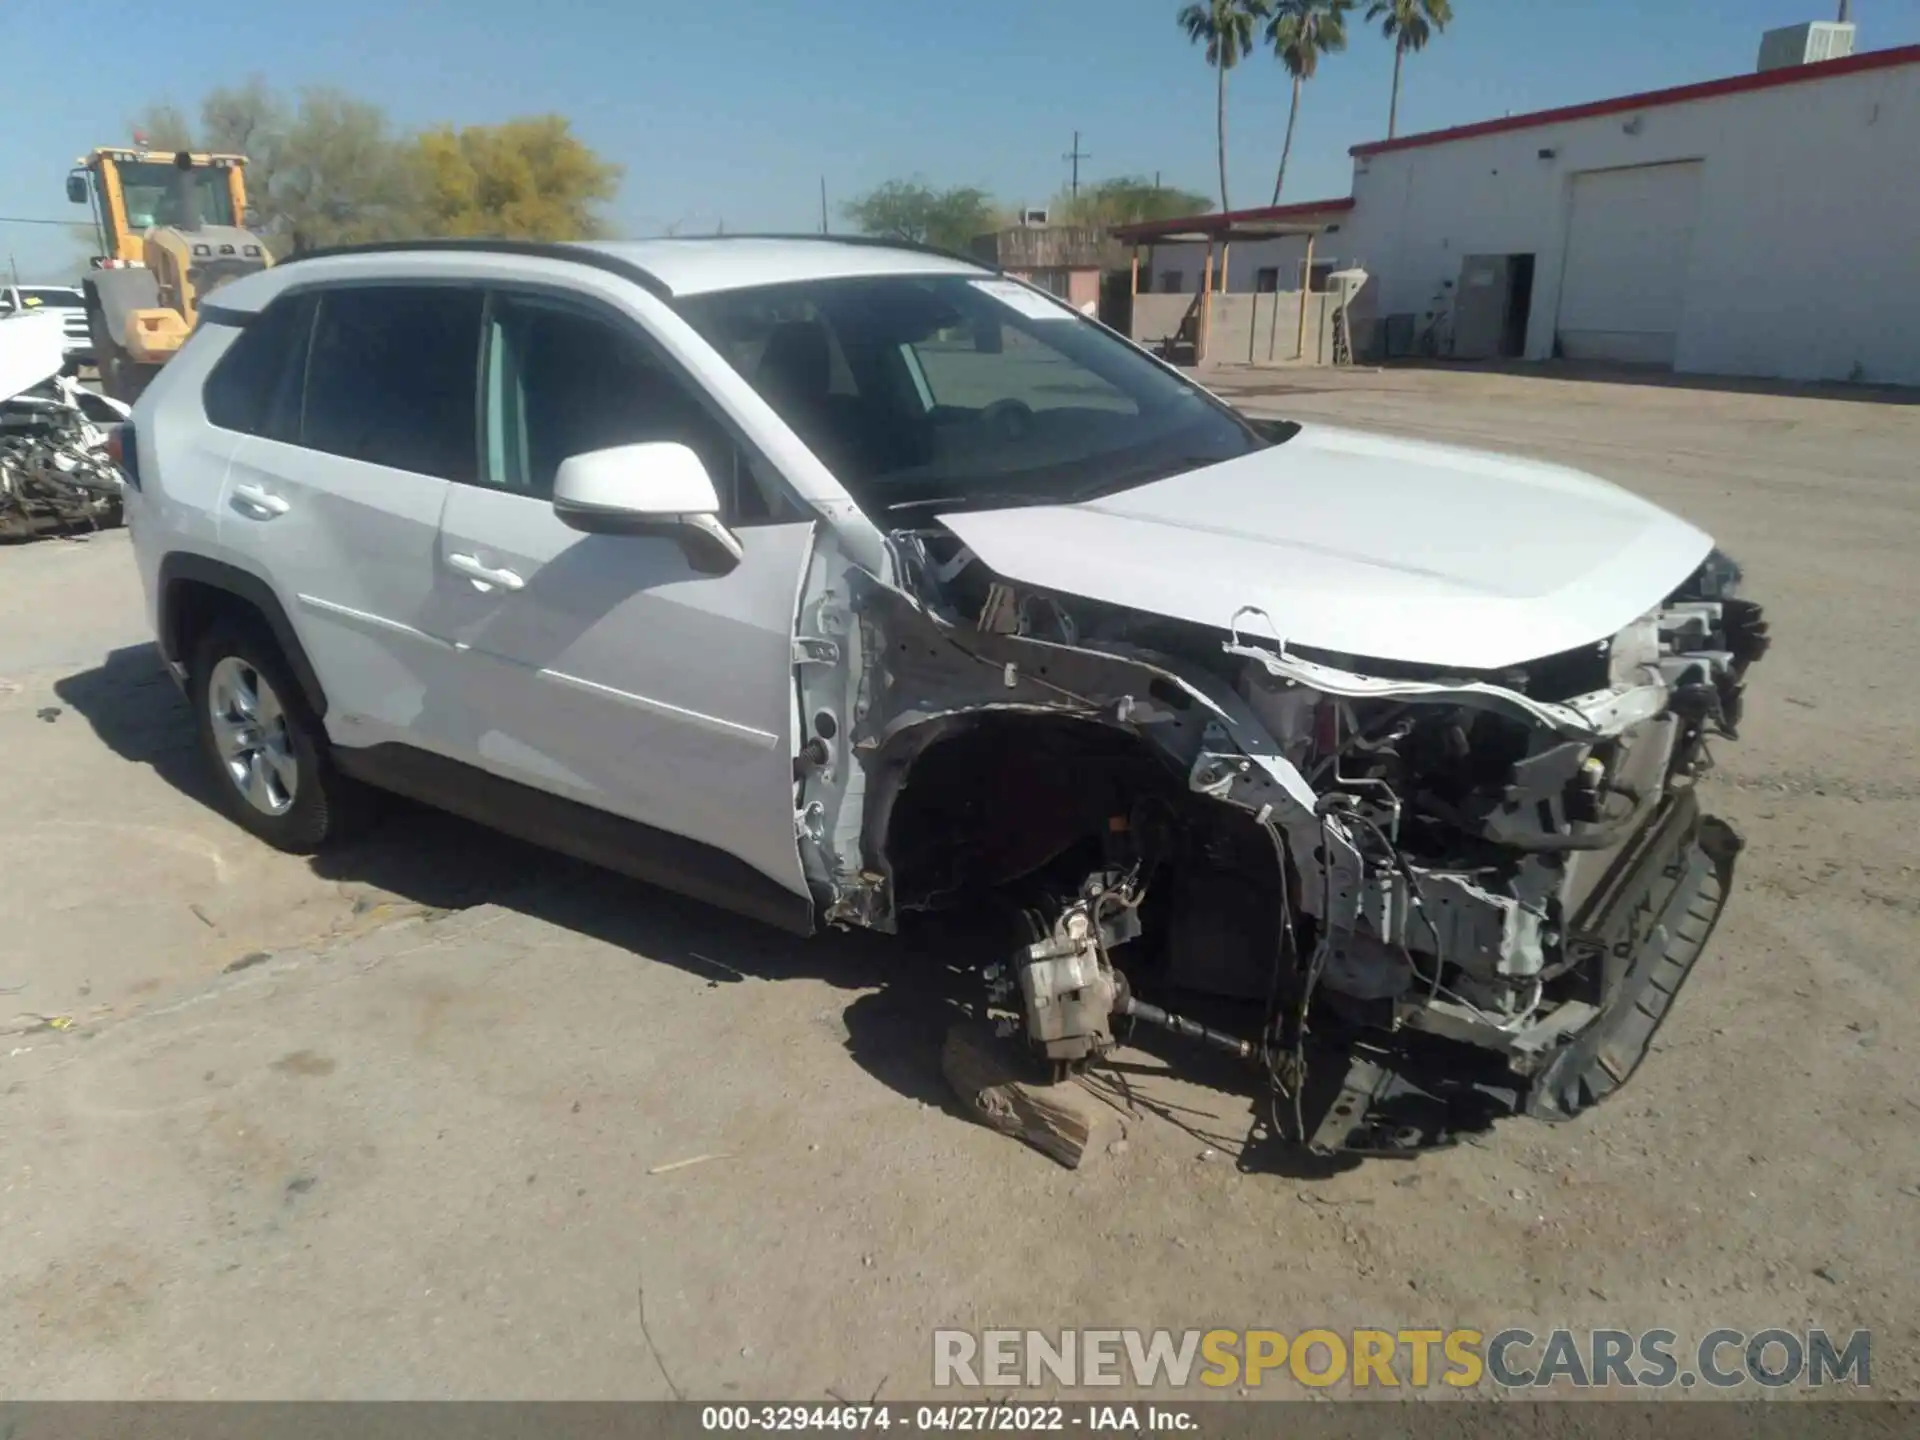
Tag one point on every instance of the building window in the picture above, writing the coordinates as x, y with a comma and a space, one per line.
1172, 282
1266, 280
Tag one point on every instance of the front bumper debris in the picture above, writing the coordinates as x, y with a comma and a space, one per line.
1643, 932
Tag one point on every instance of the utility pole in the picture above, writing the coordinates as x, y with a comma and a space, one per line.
1846, 11
1075, 156
823, 204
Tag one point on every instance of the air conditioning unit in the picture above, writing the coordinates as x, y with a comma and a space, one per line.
1806, 44
1034, 216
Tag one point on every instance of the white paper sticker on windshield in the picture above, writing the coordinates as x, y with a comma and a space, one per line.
1022, 301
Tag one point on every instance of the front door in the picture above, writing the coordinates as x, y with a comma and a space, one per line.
605, 668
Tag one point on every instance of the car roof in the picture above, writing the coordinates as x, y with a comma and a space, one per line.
669, 267
699, 266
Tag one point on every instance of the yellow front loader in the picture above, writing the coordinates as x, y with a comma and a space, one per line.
172, 228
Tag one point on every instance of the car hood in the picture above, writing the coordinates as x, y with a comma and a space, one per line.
1362, 545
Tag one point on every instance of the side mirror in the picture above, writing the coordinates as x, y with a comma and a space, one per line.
659, 488
77, 187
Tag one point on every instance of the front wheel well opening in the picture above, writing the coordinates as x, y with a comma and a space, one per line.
1016, 811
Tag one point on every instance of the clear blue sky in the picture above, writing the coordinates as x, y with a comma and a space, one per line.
732, 111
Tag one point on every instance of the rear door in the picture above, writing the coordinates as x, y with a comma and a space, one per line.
338, 502
604, 668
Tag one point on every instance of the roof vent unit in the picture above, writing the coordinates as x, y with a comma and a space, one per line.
1806, 44
1035, 216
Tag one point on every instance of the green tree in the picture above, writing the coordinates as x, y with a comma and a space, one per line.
1128, 200
245, 120
1300, 32
327, 171
1225, 28
527, 179
1409, 24
913, 211
339, 176
251, 120
164, 126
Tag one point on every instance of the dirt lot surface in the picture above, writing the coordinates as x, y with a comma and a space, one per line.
399, 1123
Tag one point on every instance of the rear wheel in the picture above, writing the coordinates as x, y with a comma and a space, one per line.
268, 750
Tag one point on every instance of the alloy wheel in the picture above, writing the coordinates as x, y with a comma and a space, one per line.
250, 731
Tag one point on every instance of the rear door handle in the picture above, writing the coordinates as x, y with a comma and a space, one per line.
264, 503
470, 566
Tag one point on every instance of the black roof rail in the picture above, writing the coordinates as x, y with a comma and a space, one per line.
578, 254
588, 254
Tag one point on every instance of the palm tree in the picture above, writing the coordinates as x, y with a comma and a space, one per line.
1225, 27
1301, 31
1409, 24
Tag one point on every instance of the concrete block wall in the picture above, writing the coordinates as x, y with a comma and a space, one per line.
1244, 329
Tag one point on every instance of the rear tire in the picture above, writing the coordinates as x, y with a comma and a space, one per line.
272, 767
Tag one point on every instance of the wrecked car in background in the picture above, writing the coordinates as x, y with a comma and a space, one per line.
56, 469
837, 581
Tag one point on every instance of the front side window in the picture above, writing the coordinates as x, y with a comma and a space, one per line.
160, 194
962, 390
562, 379
391, 378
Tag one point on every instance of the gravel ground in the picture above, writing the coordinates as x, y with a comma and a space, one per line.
393, 1124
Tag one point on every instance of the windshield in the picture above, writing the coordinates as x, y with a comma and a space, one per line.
52, 296
158, 194
956, 390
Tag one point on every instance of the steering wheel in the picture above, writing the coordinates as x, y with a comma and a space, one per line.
1012, 418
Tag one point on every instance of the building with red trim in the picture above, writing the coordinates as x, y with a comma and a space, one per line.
1766, 224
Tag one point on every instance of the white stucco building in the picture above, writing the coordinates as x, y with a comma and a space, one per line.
1762, 225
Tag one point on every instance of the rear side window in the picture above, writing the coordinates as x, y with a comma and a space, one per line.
392, 378
255, 387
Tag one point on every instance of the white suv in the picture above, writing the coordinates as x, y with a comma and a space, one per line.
828, 580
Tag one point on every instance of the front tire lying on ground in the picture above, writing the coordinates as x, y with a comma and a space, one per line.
272, 770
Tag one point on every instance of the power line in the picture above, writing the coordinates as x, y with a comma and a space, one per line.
32, 220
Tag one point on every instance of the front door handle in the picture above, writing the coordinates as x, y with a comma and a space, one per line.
264, 503
470, 566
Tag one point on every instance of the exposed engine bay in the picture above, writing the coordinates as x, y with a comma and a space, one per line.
1417, 899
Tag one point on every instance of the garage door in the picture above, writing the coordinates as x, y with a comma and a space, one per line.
1628, 243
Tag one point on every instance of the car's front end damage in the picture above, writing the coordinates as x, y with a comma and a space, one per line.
1420, 895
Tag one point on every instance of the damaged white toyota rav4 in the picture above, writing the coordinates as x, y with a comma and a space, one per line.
828, 581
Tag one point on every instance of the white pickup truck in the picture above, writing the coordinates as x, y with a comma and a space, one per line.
70, 304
